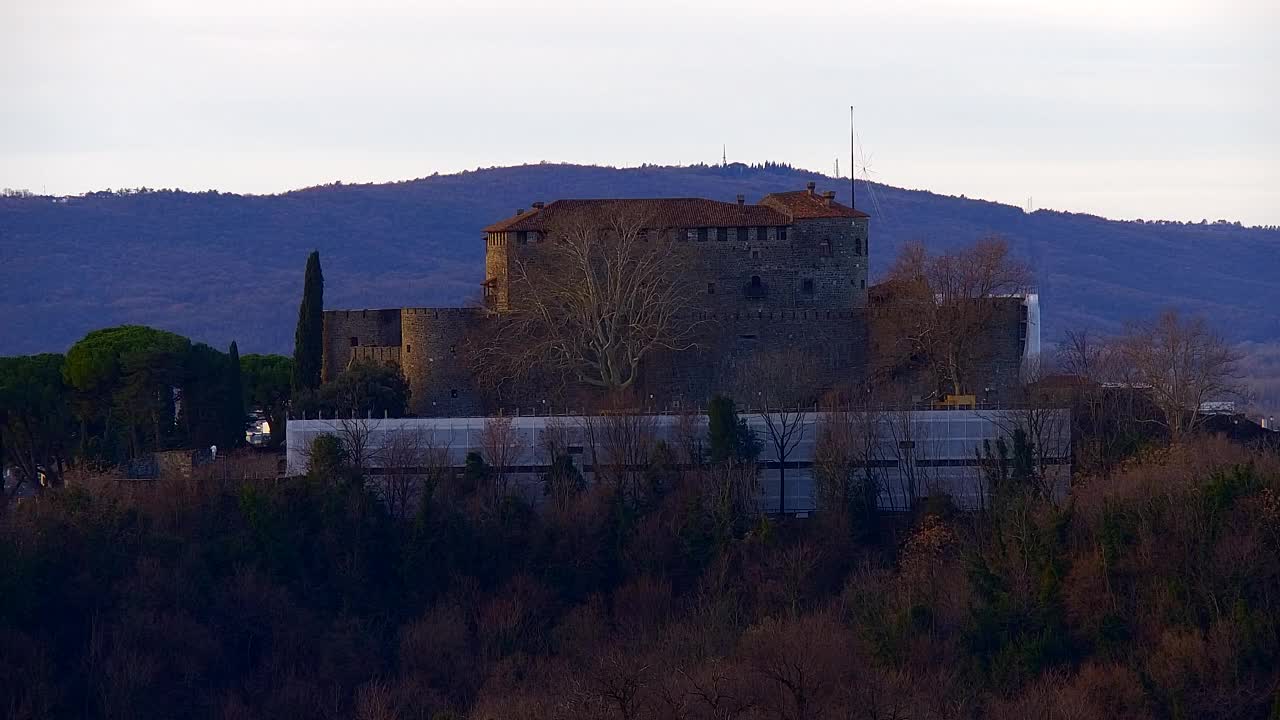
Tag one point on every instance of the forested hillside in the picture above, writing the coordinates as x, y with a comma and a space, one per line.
217, 267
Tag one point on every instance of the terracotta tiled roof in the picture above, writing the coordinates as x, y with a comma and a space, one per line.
804, 205
657, 212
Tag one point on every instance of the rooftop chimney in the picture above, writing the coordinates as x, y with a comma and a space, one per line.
810, 186
519, 211
829, 196
742, 199
539, 205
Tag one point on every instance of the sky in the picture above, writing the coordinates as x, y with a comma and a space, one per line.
1123, 108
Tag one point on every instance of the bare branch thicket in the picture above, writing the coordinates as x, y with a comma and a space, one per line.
847, 456
1044, 418
503, 447
604, 291
942, 307
437, 469
561, 481
908, 445
782, 388
621, 445
1185, 364
406, 458
360, 441
690, 438
612, 683
732, 492
1105, 410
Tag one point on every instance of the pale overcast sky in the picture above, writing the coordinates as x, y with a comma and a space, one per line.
1125, 108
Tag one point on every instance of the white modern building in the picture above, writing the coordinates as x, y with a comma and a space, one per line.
916, 452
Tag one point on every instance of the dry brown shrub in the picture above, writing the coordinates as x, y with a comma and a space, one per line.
1096, 692
513, 618
435, 648
642, 606
800, 665
583, 626
375, 700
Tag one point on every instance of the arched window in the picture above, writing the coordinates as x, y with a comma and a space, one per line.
755, 281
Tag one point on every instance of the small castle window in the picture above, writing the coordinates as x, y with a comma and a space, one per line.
762, 234
755, 254
408, 349
453, 349
702, 234
355, 341
857, 246
522, 237
782, 234
824, 247
453, 393
742, 234
755, 281
806, 286
864, 283
711, 288
722, 233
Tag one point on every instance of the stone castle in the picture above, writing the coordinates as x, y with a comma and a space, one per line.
788, 273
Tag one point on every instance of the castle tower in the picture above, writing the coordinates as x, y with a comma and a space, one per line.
433, 356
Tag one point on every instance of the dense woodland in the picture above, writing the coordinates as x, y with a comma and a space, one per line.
1151, 593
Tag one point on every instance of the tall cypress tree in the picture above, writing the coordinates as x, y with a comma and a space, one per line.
308, 340
235, 397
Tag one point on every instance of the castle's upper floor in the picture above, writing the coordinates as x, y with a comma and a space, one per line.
797, 250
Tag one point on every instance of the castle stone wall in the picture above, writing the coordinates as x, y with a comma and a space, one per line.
835, 340
441, 382
345, 330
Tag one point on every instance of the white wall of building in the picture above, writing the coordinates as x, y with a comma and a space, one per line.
938, 455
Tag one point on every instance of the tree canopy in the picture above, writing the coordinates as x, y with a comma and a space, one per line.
308, 342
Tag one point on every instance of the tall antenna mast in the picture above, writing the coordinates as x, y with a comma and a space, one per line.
853, 168
724, 156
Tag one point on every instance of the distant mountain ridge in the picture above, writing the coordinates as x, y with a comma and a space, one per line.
218, 267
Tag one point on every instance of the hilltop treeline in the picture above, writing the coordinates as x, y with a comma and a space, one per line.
213, 266
658, 592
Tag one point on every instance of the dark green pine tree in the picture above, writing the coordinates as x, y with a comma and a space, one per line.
236, 414
308, 341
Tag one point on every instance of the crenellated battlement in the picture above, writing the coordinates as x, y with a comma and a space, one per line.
445, 312
363, 313
788, 316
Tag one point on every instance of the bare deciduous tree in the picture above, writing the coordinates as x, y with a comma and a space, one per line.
1041, 415
604, 291
846, 458
1185, 364
502, 447
621, 445
356, 436
941, 307
1104, 401
909, 446
403, 458
782, 388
